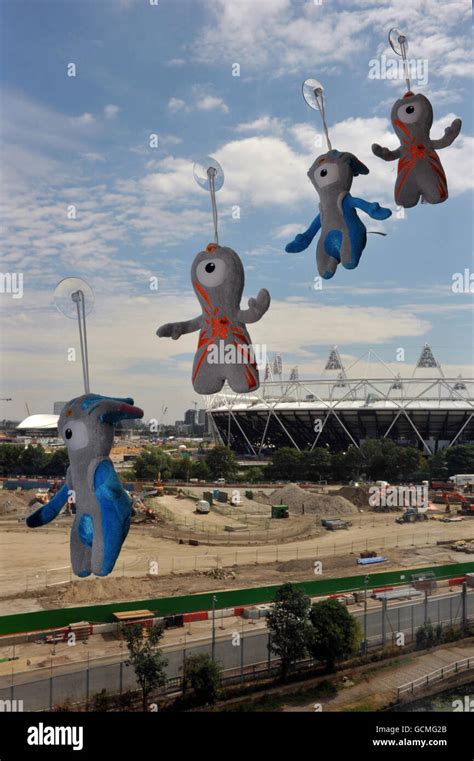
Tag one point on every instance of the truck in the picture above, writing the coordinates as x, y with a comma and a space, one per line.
203, 507
459, 481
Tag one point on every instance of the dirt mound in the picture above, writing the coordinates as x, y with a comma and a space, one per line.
11, 501
301, 501
262, 498
358, 495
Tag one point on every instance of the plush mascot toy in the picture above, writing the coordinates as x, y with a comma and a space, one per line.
343, 235
103, 508
225, 351
420, 172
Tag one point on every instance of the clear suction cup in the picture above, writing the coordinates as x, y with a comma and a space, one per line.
65, 299
201, 173
398, 42
312, 88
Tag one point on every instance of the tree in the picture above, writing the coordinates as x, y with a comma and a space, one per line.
409, 463
287, 623
380, 459
149, 462
316, 464
221, 462
254, 475
147, 660
286, 465
10, 457
346, 466
437, 466
460, 459
33, 460
58, 463
204, 676
334, 634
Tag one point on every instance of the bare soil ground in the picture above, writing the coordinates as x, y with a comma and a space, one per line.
35, 566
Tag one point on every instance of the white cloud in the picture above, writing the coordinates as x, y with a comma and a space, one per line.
200, 100
111, 111
176, 104
211, 103
83, 119
269, 124
281, 36
287, 232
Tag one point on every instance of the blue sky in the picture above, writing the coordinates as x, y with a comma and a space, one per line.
167, 69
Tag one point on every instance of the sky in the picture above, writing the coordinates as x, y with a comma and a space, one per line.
168, 69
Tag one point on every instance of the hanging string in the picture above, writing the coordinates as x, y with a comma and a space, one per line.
403, 47
78, 298
319, 96
211, 173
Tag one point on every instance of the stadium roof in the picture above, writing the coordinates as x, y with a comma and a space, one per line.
39, 423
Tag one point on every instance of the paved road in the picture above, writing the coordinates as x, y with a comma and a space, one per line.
232, 652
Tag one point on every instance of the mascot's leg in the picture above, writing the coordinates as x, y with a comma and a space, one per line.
353, 242
432, 181
81, 545
407, 191
327, 264
208, 377
243, 378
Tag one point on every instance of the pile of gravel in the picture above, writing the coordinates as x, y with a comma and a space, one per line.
358, 495
321, 505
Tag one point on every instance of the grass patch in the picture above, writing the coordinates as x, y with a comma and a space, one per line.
299, 696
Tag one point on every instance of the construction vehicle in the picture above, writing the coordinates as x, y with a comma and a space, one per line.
412, 515
456, 498
335, 524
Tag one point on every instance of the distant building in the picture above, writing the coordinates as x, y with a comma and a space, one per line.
57, 407
190, 418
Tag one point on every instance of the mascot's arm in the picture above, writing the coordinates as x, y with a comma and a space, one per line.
48, 512
257, 307
176, 329
302, 240
450, 135
373, 209
385, 153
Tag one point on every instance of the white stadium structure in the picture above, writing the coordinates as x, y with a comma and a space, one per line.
345, 406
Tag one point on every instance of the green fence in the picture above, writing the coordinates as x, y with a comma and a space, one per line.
166, 606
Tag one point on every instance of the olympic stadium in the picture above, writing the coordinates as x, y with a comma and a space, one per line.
423, 408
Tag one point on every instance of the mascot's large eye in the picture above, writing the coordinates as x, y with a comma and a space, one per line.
211, 272
76, 435
409, 113
326, 174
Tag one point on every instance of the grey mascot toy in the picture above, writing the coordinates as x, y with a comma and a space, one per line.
225, 351
420, 172
103, 508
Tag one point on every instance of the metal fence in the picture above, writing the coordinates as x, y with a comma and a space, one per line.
203, 558
436, 676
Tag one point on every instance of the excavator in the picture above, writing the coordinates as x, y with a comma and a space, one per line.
455, 498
